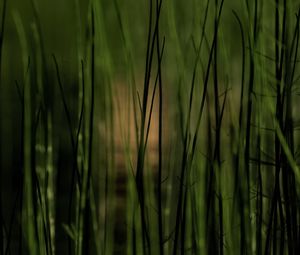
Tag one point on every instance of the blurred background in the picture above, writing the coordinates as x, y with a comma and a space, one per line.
73, 75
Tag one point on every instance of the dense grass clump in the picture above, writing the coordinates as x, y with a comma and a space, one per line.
149, 127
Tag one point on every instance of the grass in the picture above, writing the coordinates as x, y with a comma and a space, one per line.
158, 128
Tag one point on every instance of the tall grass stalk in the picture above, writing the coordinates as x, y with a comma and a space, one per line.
3, 15
29, 191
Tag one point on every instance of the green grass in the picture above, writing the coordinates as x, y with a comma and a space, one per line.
149, 127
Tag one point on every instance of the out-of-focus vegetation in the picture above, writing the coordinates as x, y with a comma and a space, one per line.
149, 127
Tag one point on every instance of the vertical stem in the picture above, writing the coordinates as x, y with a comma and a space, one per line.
3, 14
160, 122
86, 237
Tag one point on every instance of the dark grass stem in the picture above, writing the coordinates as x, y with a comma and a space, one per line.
74, 138
160, 128
86, 249
185, 161
152, 37
237, 185
3, 18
